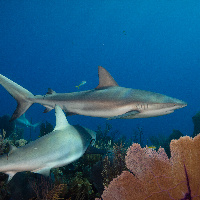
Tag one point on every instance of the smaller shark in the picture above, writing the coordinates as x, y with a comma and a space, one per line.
65, 144
24, 122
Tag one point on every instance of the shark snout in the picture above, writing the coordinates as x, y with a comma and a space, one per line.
180, 104
184, 105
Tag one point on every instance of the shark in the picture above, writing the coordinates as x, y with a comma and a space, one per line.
65, 144
24, 122
107, 100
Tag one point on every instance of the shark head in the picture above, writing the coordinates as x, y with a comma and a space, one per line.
154, 104
135, 103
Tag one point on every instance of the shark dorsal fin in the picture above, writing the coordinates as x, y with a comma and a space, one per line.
105, 79
61, 121
50, 91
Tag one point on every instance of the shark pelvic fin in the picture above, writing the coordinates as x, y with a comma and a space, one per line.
125, 115
47, 109
105, 79
10, 175
61, 121
43, 171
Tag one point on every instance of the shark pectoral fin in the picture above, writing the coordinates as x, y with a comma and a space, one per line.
10, 175
125, 115
43, 171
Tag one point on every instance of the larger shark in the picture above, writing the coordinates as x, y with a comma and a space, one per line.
64, 145
107, 100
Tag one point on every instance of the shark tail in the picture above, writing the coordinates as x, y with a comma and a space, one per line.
20, 94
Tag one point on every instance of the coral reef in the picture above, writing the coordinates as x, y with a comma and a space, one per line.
138, 136
5, 124
45, 189
45, 128
154, 176
103, 140
20, 143
139, 173
162, 141
2, 142
80, 188
114, 164
196, 122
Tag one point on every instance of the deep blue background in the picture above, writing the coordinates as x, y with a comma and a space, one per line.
145, 44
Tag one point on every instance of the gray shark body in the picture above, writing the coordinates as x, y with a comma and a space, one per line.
107, 100
22, 121
64, 145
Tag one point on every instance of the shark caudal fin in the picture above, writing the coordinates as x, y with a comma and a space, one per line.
20, 94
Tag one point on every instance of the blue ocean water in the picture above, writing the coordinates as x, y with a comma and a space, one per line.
145, 44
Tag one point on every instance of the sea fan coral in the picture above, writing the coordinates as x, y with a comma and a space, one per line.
153, 176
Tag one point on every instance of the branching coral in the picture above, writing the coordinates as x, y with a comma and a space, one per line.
113, 165
153, 176
44, 189
2, 142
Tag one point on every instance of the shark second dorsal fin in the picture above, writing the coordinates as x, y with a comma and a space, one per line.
61, 121
50, 91
105, 79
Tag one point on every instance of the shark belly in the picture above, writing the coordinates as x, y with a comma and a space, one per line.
97, 109
38, 154
88, 107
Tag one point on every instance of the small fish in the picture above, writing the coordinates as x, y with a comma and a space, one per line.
152, 147
82, 83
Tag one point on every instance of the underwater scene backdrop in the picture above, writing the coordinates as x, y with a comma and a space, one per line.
144, 44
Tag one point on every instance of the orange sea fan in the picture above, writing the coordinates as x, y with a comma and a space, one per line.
153, 176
